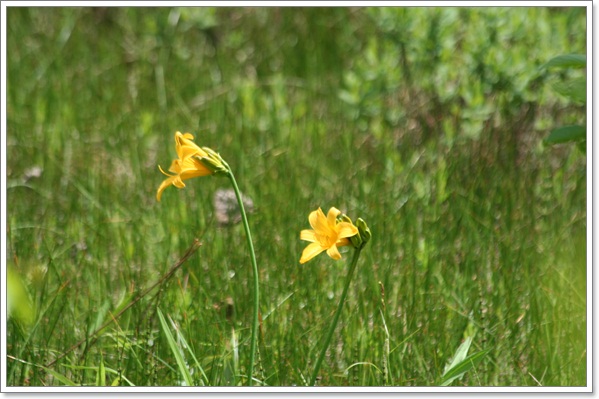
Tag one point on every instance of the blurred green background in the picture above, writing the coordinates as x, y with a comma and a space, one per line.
426, 122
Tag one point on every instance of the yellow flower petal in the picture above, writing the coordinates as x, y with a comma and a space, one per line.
343, 242
311, 251
163, 186
187, 141
308, 235
346, 229
186, 147
318, 221
333, 252
186, 166
192, 167
327, 234
163, 172
175, 166
332, 216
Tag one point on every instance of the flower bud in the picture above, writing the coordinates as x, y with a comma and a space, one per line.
364, 231
356, 240
213, 161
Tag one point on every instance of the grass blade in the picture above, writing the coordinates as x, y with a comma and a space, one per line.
459, 355
61, 377
101, 374
176, 351
458, 369
195, 359
119, 376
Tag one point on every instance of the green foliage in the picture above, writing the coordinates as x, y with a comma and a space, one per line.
426, 122
60, 378
20, 306
450, 72
567, 133
574, 89
567, 61
461, 362
177, 352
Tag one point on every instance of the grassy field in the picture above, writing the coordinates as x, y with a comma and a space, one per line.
426, 122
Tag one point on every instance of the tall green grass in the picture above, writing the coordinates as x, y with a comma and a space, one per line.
426, 122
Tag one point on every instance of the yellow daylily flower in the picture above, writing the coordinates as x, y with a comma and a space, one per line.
187, 166
328, 234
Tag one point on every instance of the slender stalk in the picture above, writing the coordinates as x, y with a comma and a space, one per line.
256, 280
329, 335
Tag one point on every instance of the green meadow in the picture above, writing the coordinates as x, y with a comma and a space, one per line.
428, 123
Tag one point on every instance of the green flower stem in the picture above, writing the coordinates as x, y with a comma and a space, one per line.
329, 335
256, 280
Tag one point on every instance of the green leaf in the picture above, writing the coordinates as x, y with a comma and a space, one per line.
176, 351
574, 89
60, 377
181, 338
119, 376
20, 305
101, 374
348, 97
567, 61
566, 134
100, 317
459, 355
462, 367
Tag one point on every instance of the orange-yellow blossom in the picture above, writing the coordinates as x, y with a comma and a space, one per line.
328, 234
188, 164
